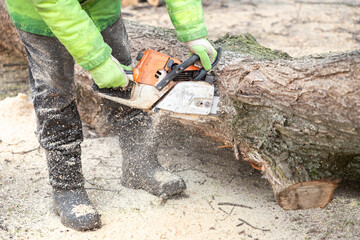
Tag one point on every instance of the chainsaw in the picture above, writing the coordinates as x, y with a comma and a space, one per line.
162, 83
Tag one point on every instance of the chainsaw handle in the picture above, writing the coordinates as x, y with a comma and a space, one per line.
129, 74
176, 71
181, 67
203, 72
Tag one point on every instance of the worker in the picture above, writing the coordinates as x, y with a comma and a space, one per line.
92, 32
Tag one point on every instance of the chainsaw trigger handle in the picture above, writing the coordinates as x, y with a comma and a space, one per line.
176, 71
203, 72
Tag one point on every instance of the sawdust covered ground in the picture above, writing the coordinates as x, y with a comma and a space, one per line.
212, 174
297, 27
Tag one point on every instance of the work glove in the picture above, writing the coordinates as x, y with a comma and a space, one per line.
110, 74
203, 48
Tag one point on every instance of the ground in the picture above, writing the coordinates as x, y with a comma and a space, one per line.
213, 176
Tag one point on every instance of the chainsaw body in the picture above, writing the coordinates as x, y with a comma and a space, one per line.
160, 82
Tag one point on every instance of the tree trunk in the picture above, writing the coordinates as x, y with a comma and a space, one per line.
296, 119
8, 35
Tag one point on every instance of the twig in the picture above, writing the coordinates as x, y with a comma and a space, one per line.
223, 211
100, 187
94, 184
104, 189
228, 213
233, 205
224, 146
231, 211
17, 81
243, 221
15, 64
16, 143
27, 151
210, 205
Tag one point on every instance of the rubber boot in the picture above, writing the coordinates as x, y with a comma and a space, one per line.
140, 166
75, 209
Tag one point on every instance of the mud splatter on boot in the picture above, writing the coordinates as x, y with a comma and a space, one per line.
141, 169
75, 209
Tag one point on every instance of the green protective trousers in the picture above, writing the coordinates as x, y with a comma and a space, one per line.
77, 23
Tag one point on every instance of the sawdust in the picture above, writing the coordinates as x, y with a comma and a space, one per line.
18, 111
82, 210
164, 177
212, 175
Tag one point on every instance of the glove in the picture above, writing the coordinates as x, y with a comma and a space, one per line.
203, 48
110, 74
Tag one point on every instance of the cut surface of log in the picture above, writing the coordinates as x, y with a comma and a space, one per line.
306, 195
296, 118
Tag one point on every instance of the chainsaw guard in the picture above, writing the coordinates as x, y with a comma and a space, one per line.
190, 97
142, 96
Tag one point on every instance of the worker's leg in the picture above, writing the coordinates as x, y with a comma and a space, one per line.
139, 139
138, 133
51, 70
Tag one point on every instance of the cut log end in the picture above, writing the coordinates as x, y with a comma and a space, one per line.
305, 195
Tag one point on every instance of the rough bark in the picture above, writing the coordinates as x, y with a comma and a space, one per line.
8, 35
297, 119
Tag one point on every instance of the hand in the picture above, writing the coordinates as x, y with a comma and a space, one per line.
203, 48
110, 74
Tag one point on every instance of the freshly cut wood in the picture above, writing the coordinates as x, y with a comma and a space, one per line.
298, 119
304, 195
156, 3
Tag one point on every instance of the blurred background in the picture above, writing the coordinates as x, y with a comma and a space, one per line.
298, 27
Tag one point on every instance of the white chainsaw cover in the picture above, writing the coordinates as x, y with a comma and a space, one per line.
189, 97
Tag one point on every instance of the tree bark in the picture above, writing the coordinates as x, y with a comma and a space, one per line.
8, 35
296, 119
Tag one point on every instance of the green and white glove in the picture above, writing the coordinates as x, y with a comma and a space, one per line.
110, 74
203, 48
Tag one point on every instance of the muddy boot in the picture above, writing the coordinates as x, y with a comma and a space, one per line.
75, 209
140, 167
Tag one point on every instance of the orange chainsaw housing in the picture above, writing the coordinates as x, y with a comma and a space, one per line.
150, 63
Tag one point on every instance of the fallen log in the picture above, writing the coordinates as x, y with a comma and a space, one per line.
8, 35
297, 119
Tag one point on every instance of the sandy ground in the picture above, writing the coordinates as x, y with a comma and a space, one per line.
212, 174
296, 27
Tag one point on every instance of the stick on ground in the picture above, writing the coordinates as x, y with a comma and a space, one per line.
233, 205
243, 221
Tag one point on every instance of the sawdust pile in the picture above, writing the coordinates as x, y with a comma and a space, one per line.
20, 118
